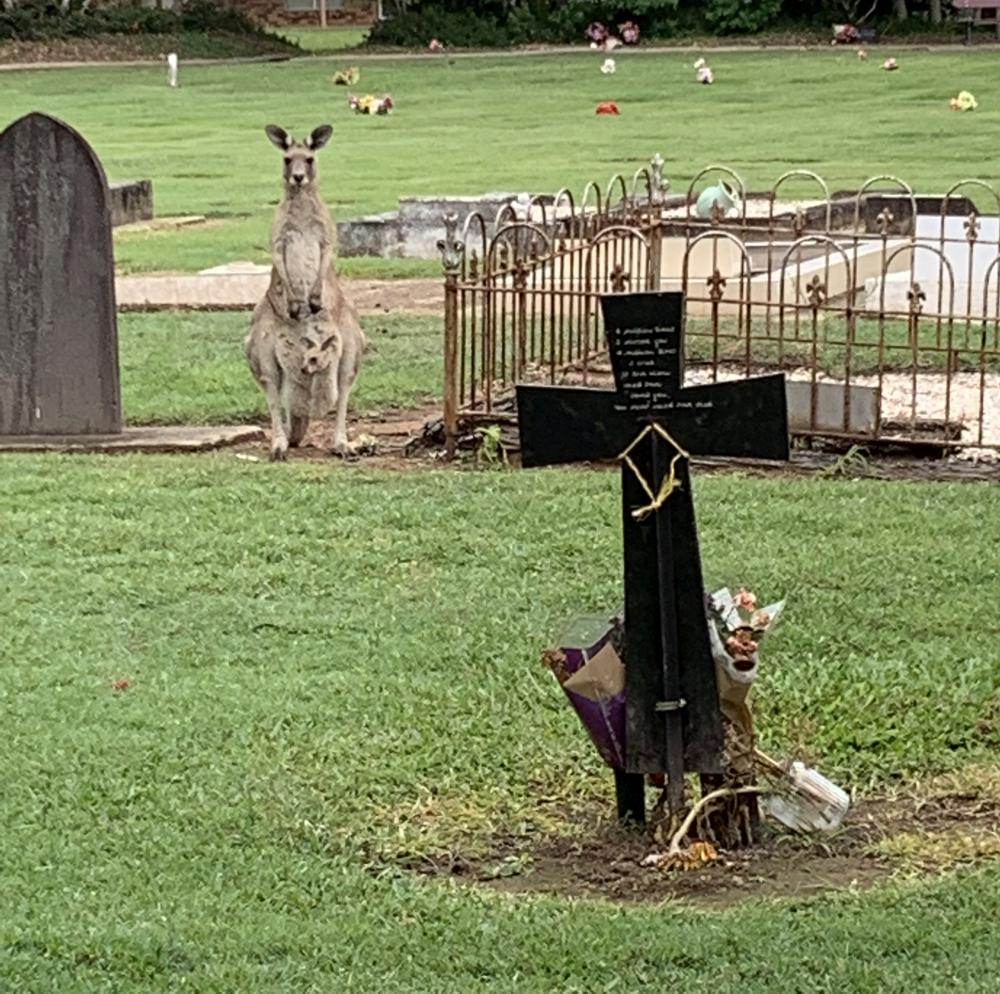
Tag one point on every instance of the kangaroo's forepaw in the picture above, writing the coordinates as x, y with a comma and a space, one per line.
279, 450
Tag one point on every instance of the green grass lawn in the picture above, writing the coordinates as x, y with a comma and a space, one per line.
179, 368
321, 40
968, 347
511, 124
334, 666
189, 368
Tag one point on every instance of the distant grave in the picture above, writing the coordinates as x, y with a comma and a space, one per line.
955, 263
59, 379
131, 201
414, 229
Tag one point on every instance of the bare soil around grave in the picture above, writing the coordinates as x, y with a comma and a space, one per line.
400, 441
394, 432
606, 863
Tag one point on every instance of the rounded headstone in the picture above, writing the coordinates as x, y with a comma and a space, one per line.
58, 329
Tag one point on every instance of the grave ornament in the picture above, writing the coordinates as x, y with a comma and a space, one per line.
654, 424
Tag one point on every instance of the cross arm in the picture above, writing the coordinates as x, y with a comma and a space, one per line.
742, 418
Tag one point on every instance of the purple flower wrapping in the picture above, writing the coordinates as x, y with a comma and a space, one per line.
603, 717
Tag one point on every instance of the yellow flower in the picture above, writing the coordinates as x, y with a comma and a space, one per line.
966, 101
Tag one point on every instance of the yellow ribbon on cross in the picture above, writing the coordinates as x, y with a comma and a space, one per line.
668, 484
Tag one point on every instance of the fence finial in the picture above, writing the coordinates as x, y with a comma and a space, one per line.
657, 185
451, 246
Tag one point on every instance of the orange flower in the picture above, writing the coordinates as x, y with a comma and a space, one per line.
741, 644
745, 598
123, 683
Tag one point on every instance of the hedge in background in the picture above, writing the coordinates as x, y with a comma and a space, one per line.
45, 20
498, 23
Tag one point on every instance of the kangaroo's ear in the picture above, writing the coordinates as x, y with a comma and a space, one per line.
320, 136
278, 136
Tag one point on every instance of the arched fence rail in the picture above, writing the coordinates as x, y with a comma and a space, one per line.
881, 305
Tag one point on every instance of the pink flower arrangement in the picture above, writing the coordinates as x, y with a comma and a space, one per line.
738, 625
629, 32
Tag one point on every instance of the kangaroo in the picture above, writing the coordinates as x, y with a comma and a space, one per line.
302, 235
305, 344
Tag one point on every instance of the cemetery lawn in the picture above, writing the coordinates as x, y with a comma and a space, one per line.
189, 368
319, 40
471, 125
332, 669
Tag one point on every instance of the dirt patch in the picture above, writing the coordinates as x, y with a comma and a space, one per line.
394, 432
606, 862
407, 440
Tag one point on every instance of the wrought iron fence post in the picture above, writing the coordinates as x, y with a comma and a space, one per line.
520, 284
451, 249
657, 191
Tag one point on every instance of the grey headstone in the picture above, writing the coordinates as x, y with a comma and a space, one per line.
131, 201
58, 330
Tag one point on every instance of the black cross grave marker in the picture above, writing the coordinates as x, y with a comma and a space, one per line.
673, 724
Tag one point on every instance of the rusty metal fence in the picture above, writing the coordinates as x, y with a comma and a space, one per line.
881, 305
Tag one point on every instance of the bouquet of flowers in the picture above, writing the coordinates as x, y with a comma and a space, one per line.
845, 34
736, 628
964, 101
590, 671
629, 31
347, 77
369, 104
